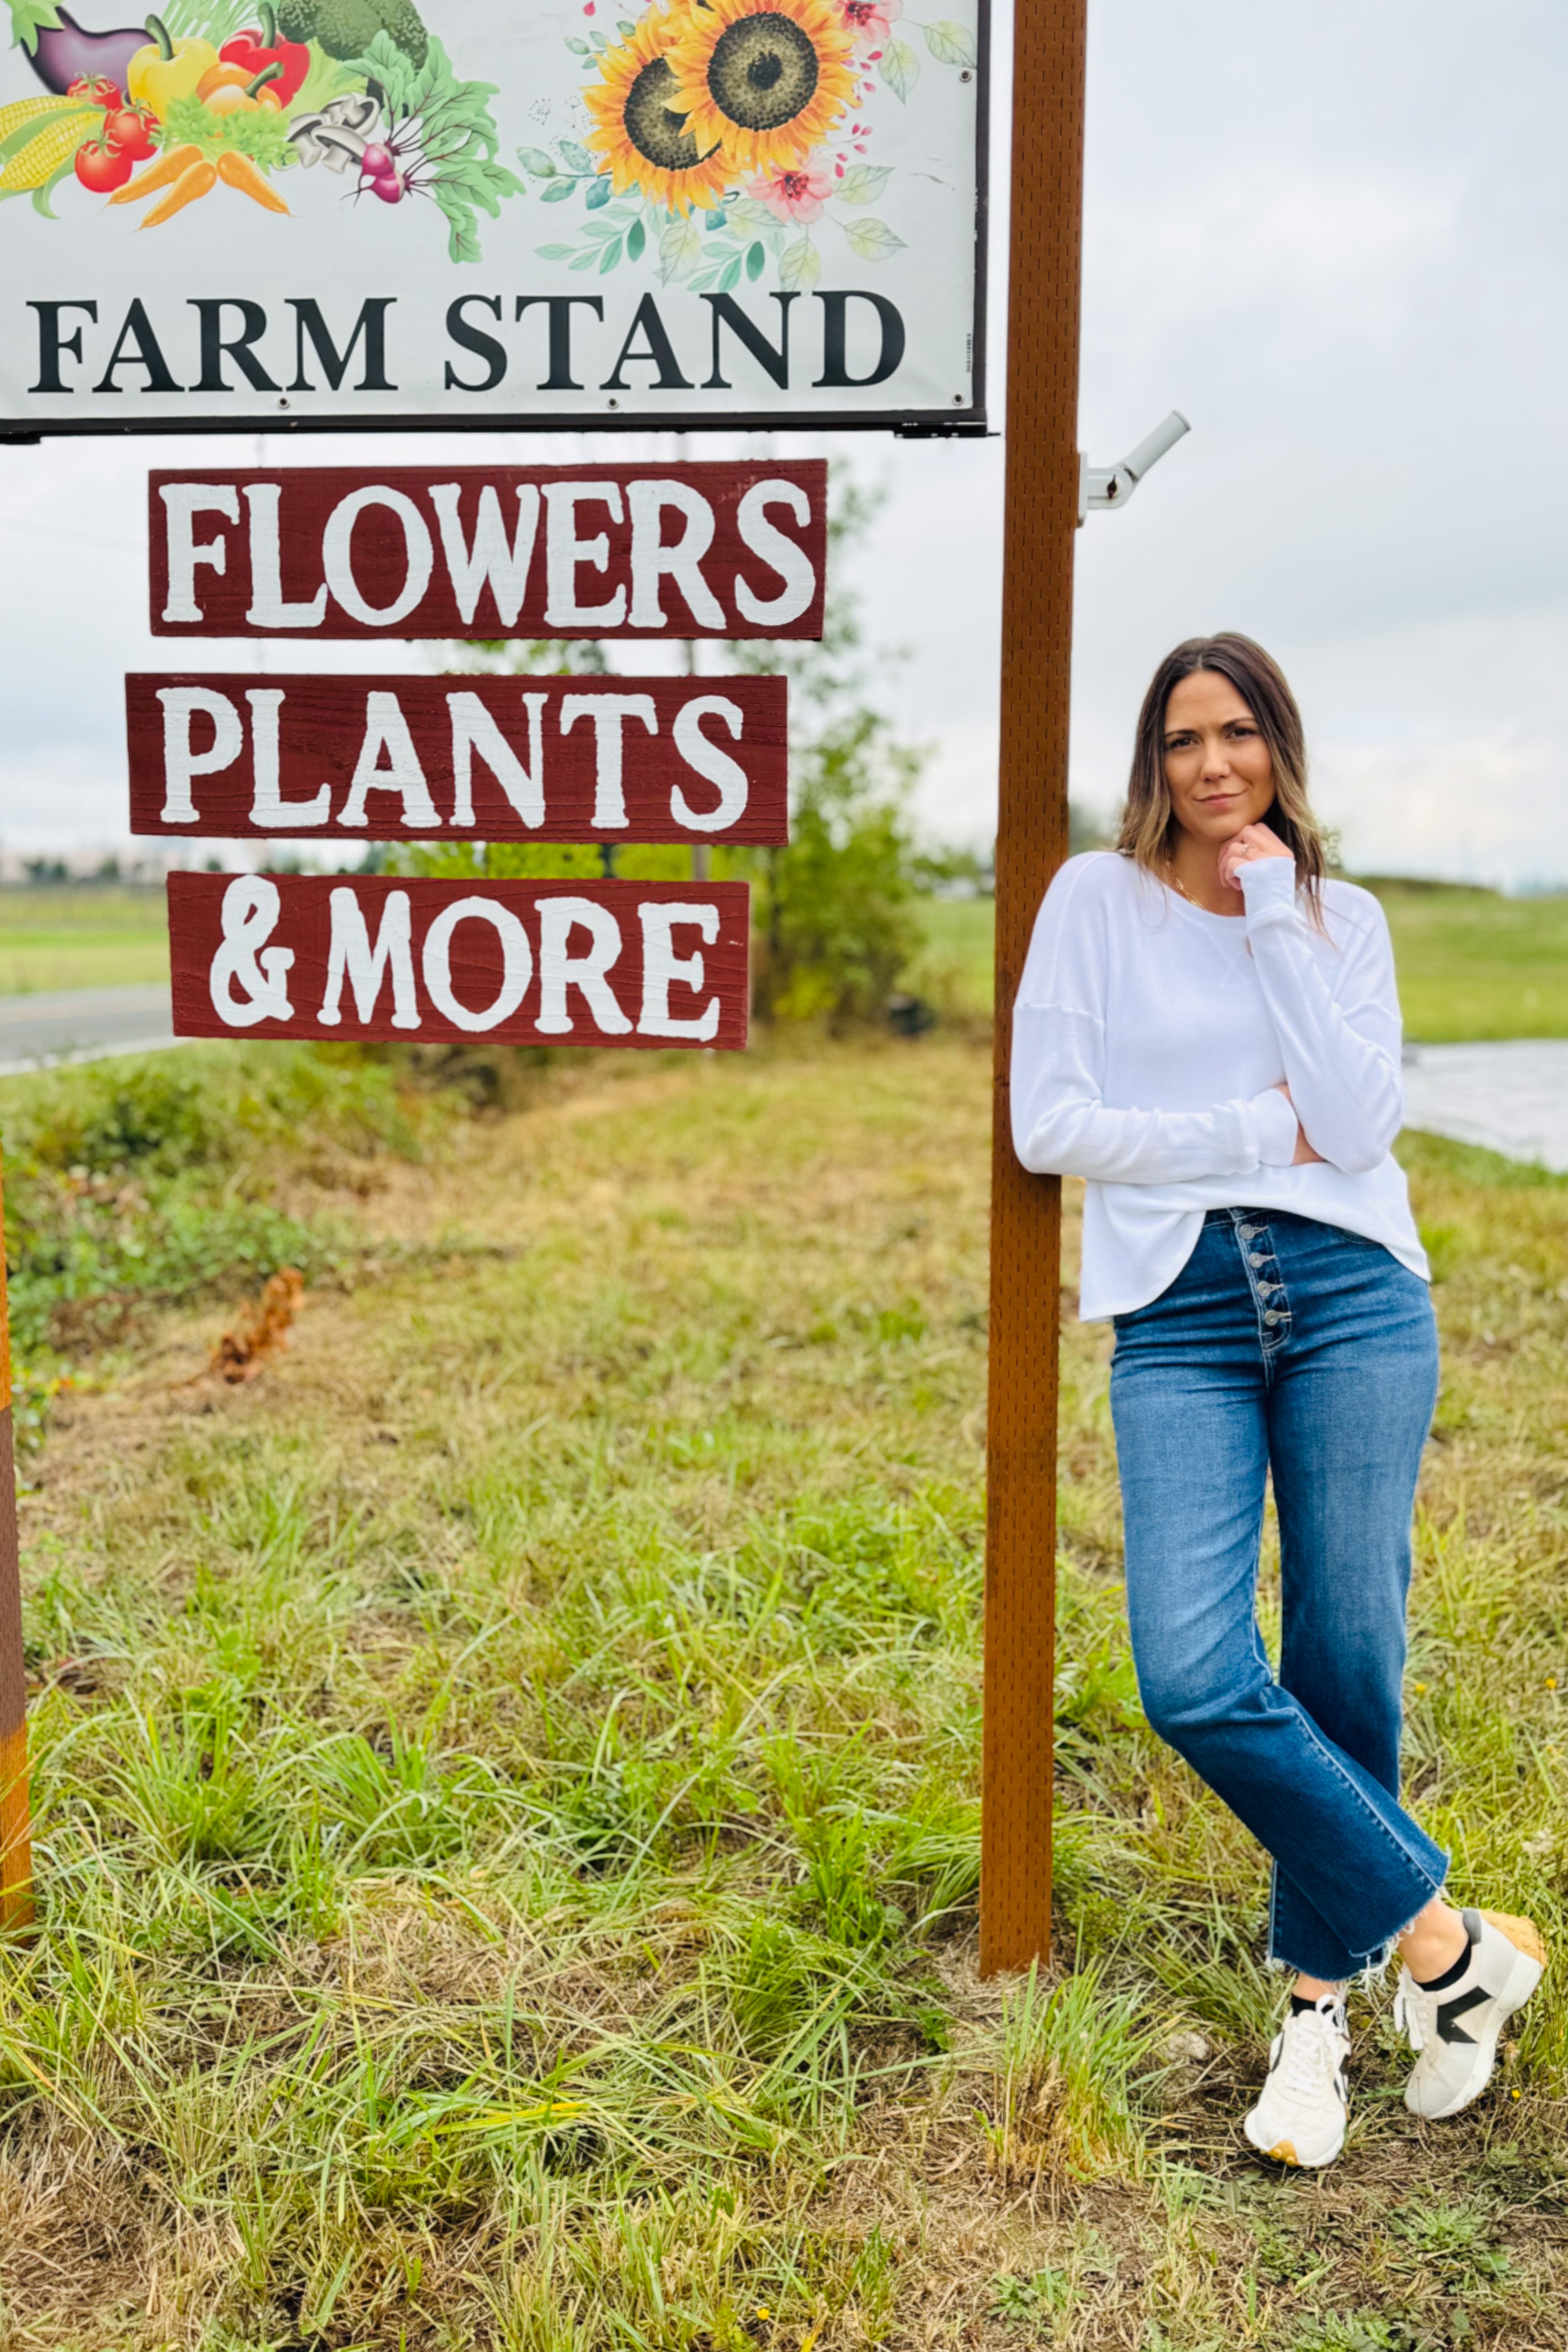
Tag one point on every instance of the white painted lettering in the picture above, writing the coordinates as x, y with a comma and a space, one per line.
564, 551
558, 972
663, 970
251, 906
181, 764
386, 730
337, 555
609, 713
182, 501
351, 957
268, 609
779, 554
269, 808
474, 730
489, 559
715, 766
653, 562
517, 963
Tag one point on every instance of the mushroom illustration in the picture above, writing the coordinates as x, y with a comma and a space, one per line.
339, 135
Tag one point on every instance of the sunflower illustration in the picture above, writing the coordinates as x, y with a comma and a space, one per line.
642, 134
768, 79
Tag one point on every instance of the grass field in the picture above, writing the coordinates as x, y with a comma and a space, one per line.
80, 937
508, 1778
1472, 963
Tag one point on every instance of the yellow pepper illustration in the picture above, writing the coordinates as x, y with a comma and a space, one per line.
166, 71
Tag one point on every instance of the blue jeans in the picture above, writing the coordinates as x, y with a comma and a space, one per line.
1291, 1346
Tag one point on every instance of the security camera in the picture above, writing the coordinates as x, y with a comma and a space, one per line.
1112, 486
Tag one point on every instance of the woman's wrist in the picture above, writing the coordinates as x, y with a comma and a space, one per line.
1269, 887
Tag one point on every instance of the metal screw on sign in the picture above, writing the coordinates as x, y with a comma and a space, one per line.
15, 1850
1049, 489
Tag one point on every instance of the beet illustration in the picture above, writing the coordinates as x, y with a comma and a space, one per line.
65, 54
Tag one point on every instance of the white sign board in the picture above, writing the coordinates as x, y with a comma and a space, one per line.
352, 212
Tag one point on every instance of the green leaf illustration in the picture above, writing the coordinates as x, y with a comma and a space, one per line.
746, 213
680, 246
557, 192
720, 269
599, 195
756, 261
863, 183
636, 239
950, 45
610, 256
556, 252
535, 160
577, 159
458, 136
873, 240
800, 266
900, 68
28, 19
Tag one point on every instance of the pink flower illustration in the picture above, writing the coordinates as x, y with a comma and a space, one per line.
794, 196
871, 20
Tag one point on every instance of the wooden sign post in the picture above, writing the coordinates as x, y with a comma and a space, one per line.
1042, 514
15, 1850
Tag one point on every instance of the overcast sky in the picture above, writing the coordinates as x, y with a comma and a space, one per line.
1335, 234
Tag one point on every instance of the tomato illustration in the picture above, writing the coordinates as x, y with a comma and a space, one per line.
103, 167
95, 89
130, 127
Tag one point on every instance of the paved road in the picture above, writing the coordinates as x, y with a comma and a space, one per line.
1512, 1097
84, 1024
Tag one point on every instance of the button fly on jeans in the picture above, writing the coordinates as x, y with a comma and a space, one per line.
1247, 1232
1255, 1258
1273, 1317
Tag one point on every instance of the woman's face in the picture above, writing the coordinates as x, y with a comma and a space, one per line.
1217, 765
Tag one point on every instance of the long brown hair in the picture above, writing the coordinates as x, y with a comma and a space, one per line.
1149, 823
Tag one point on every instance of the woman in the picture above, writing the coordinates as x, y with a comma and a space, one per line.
1208, 1030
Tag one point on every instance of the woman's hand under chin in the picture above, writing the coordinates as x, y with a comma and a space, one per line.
1253, 842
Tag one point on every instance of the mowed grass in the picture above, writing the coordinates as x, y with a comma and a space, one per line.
1472, 965
81, 937
508, 1789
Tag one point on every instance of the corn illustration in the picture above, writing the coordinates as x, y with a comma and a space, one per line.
39, 159
29, 110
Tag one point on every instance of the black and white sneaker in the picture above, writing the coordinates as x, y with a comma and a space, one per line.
1454, 2024
1301, 2115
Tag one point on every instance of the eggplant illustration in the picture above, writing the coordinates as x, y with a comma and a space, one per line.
65, 54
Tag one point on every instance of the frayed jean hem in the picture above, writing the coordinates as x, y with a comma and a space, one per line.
1372, 1964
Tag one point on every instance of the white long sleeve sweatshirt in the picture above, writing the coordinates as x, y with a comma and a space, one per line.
1150, 1039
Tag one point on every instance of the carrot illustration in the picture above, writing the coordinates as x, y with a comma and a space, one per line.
170, 166
199, 181
237, 171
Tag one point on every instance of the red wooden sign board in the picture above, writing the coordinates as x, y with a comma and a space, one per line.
500, 551
465, 758
651, 964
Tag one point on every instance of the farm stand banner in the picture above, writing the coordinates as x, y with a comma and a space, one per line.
476, 758
653, 964
722, 551
467, 212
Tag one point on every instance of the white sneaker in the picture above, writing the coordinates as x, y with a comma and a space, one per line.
1455, 2029
1301, 2116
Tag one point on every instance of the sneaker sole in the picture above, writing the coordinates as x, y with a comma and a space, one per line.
1283, 2151
1528, 1968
